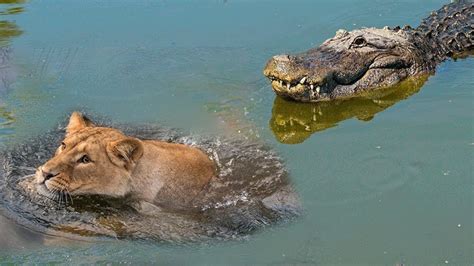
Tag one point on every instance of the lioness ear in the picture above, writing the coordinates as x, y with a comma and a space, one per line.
125, 152
77, 122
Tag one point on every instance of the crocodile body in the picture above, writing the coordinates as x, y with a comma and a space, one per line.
369, 58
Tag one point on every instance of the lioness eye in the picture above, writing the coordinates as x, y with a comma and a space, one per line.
85, 159
63, 145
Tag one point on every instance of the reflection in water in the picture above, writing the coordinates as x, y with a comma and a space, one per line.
7, 77
8, 29
6, 117
294, 122
12, 1
7, 70
12, 10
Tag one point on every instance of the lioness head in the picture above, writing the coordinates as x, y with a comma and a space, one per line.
90, 160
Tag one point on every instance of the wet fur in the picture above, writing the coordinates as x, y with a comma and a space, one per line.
158, 172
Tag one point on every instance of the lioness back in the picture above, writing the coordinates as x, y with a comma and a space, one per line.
189, 171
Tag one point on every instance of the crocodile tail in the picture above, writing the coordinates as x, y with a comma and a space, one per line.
450, 30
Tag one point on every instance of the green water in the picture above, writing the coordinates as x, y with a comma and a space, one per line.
395, 188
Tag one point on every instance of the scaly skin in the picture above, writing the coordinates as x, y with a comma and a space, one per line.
369, 58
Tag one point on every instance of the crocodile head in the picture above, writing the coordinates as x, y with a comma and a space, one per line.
348, 63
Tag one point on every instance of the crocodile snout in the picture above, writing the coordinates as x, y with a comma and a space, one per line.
279, 66
299, 79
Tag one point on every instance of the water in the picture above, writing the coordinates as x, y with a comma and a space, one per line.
395, 188
251, 192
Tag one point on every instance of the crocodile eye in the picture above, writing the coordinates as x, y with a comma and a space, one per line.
84, 159
359, 41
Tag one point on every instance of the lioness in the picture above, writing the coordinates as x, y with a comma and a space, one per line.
104, 161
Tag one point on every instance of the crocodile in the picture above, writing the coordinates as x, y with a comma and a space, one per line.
370, 58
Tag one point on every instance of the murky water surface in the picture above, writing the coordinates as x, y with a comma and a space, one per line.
383, 180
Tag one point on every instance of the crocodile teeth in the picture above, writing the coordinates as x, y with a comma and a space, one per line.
288, 85
312, 86
281, 83
303, 80
318, 89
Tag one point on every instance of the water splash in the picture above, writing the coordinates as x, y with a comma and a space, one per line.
253, 190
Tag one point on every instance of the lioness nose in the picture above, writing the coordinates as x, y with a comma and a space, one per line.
48, 175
